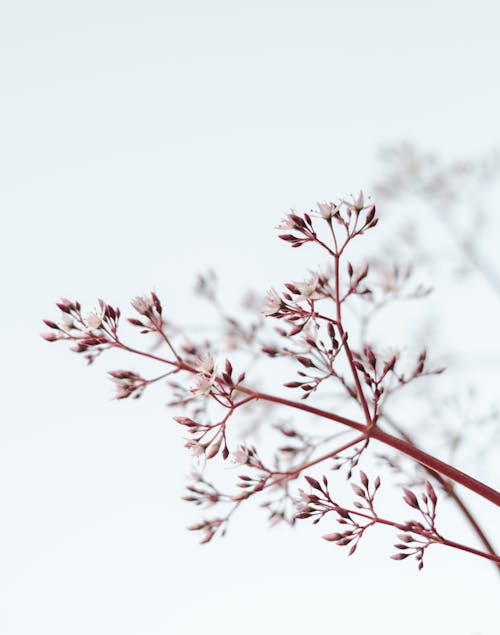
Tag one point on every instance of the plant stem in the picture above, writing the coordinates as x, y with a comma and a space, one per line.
425, 459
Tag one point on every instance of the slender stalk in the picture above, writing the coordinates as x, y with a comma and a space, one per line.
343, 335
320, 459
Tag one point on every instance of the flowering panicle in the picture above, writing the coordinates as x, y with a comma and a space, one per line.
327, 358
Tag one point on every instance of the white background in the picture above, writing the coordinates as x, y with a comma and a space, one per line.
142, 142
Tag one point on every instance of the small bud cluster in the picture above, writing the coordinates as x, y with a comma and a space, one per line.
151, 310
301, 224
317, 506
128, 384
420, 535
202, 492
199, 445
208, 529
90, 334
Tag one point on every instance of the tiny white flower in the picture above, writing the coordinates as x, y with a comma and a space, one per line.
240, 456
67, 321
202, 384
326, 210
356, 204
142, 304
307, 289
276, 518
273, 303
205, 364
303, 498
287, 223
195, 449
94, 319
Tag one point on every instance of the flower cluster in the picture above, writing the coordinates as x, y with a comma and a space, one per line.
91, 334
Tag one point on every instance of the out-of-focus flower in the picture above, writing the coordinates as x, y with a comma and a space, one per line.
307, 289
303, 498
126, 383
240, 456
202, 384
67, 322
276, 518
52, 336
205, 364
195, 449
196, 476
308, 338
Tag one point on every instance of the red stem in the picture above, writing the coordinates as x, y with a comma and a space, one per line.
427, 460
343, 335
